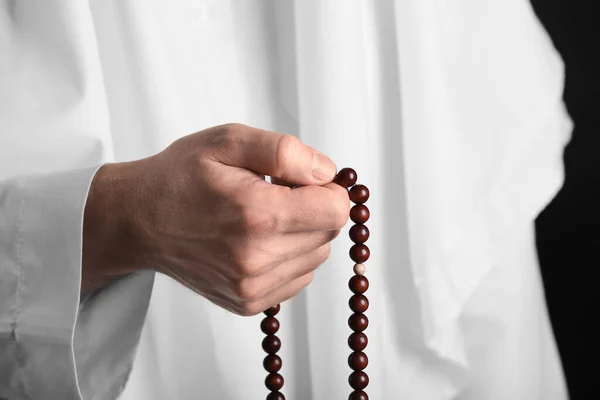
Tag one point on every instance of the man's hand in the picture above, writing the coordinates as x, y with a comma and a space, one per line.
201, 213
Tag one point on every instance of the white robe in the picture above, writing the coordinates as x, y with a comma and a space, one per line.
451, 113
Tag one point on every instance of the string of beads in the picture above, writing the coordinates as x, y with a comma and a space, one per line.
271, 345
358, 284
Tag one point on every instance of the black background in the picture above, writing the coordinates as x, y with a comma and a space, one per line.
568, 230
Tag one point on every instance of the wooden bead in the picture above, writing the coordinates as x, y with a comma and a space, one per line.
359, 253
358, 303
358, 361
274, 382
358, 322
272, 363
359, 194
271, 344
358, 284
269, 325
277, 396
346, 177
273, 311
359, 269
358, 380
358, 395
358, 341
360, 214
359, 233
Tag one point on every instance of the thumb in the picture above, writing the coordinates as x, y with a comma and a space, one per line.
281, 156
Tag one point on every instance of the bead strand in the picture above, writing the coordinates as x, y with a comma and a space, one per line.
271, 345
359, 303
358, 284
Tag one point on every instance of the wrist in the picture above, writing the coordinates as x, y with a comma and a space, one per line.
110, 241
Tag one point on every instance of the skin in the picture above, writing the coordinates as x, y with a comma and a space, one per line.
201, 213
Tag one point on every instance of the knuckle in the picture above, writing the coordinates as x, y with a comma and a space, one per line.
287, 151
234, 127
246, 290
223, 136
259, 222
245, 262
248, 259
323, 253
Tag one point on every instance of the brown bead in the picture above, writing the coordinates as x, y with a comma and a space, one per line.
358, 395
360, 214
359, 233
358, 322
271, 344
274, 382
276, 396
269, 325
359, 253
359, 194
358, 380
273, 311
358, 303
272, 363
346, 177
358, 361
358, 341
358, 284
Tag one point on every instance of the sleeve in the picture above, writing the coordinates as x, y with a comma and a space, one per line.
53, 344
54, 135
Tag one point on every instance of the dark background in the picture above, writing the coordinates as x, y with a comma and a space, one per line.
568, 230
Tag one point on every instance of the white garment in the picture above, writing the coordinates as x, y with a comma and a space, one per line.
451, 113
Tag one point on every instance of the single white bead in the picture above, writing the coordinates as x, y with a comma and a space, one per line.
359, 269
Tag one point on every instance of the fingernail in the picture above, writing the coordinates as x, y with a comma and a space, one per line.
323, 168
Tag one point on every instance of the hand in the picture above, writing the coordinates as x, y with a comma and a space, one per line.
201, 213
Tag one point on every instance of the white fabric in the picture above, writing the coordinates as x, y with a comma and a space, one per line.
451, 112
54, 132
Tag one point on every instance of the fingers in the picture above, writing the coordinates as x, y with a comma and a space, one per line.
254, 307
311, 208
255, 258
265, 287
279, 155
252, 295
299, 244
284, 293
272, 237
272, 209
